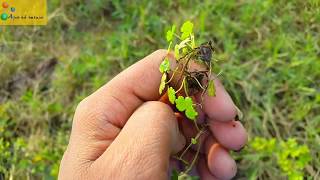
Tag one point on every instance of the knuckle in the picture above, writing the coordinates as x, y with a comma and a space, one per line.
82, 109
86, 112
160, 108
82, 105
162, 113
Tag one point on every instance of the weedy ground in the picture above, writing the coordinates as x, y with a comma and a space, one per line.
271, 53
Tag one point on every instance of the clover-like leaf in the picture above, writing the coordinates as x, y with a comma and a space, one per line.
186, 104
180, 103
171, 95
165, 65
191, 113
186, 29
170, 33
211, 88
162, 83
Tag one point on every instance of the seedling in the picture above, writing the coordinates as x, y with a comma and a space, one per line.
192, 74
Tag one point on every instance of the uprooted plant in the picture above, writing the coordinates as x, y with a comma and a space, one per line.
189, 72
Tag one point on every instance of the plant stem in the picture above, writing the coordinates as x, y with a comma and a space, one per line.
180, 159
177, 36
181, 85
198, 83
188, 147
185, 87
194, 159
196, 125
174, 71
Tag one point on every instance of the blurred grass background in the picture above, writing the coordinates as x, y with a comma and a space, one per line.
271, 53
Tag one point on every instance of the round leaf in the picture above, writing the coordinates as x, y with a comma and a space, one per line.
191, 113
180, 103
170, 33
165, 65
186, 29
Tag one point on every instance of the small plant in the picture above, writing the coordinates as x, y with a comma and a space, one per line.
291, 157
191, 75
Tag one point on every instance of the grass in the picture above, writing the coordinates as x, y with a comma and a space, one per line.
271, 53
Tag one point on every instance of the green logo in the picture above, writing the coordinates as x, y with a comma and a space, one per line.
4, 16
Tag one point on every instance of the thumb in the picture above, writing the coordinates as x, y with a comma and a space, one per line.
144, 145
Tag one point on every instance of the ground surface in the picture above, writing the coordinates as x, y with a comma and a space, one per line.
271, 53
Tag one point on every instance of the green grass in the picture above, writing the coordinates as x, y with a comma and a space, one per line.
271, 53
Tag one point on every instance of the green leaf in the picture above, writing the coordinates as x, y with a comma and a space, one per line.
186, 104
162, 83
172, 95
193, 43
211, 88
165, 65
169, 47
174, 175
170, 33
184, 176
180, 103
194, 141
191, 113
186, 29
176, 51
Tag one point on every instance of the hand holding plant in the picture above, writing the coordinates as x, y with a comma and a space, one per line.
121, 131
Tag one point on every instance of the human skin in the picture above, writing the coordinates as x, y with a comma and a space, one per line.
121, 131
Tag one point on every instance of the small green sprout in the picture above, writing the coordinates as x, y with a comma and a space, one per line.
186, 29
172, 95
176, 51
194, 141
170, 33
211, 88
162, 83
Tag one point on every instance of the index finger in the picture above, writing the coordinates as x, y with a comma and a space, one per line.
119, 98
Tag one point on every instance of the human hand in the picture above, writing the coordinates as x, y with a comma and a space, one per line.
121, 131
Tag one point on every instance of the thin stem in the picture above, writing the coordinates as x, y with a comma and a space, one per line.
185, 87
180, 159
194, 159
188, 147
197, 127
177, 36
198, 82
174, 71
198, 104
181, 85
202, 94
183, 69
185, 151
210, 68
